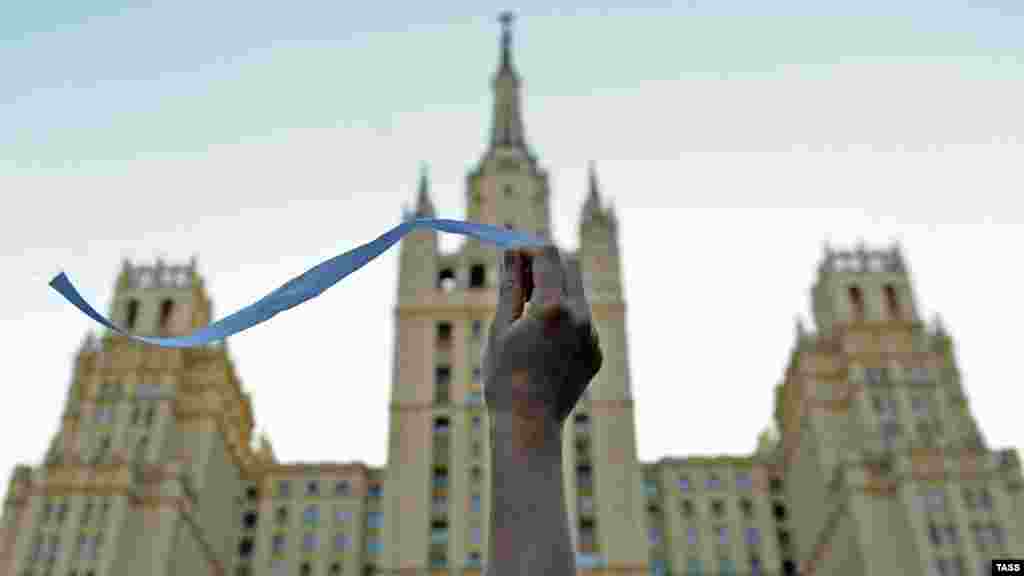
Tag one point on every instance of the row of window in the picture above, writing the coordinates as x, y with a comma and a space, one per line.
985, 535
311, 544
46, 547
713, 482
311, 516
313, 489
105, 415
980, 498
477, 277
746, 506
57, 510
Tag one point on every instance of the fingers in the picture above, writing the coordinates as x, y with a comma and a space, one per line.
548, 279
511, 290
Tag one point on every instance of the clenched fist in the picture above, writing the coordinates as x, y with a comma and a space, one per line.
542, 352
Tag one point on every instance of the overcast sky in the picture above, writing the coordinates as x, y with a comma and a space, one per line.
735, 137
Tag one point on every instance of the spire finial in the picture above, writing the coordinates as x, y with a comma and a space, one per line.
424, 207
506, 18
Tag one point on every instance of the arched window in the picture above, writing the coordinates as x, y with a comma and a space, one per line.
131, 315
446, 280
892, 302
857, 303
166, 311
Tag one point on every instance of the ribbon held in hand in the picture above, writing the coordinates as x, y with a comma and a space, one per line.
308, 285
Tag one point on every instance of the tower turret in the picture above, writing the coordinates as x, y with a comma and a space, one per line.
418, 251
862, 286
599, 244
160, 300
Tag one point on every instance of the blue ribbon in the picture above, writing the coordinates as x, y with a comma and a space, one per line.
308, 285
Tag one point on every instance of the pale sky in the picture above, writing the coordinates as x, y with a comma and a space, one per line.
735, 137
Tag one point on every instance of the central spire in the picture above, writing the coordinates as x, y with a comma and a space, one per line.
507, 129
506, 19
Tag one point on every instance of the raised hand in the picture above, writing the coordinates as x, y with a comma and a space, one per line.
542, 352
542, 349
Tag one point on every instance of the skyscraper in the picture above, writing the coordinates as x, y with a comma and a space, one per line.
878, 466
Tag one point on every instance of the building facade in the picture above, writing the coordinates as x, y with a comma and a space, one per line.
878, 467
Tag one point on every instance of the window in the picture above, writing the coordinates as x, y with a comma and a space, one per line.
342, 488
311, 516
374, 519
723, 535
166, 311
249, 520
755, 566
985, 499
856, 303
935, 500
717, 508
687, 508
313, 488
779, 510
440, 477
342, 516
726, 567
477, 328
341, 542
309, 542
477, 421
776, 485
284, 489
743, 481
684, 483
441, 425
582, 423
476, 474
473, 560
713, 482
753, 537
475, 503
446, 280
374, 546
653, 535
477, 276
335, 569
919, 405
747, 507
693, 567
282, 515
892, 303
375, 490
245, 547
277, 544
691, 536
476, 374
444, 334
659, 567
131, 314
475, 536
305, 569
252, 494
440, 505
104, 415
442, 381
439, 533
650, 489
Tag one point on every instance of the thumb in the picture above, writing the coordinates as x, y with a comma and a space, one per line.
511, 291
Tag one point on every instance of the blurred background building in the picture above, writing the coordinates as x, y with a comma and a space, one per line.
874, 464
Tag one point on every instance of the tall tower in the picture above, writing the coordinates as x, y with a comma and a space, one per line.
152, 441
607, 505
436, 500
877, 436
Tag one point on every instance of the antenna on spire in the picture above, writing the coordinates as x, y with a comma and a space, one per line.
506, 18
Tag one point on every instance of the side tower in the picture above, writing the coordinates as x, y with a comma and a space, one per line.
606, 504
151, 442
877, 437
